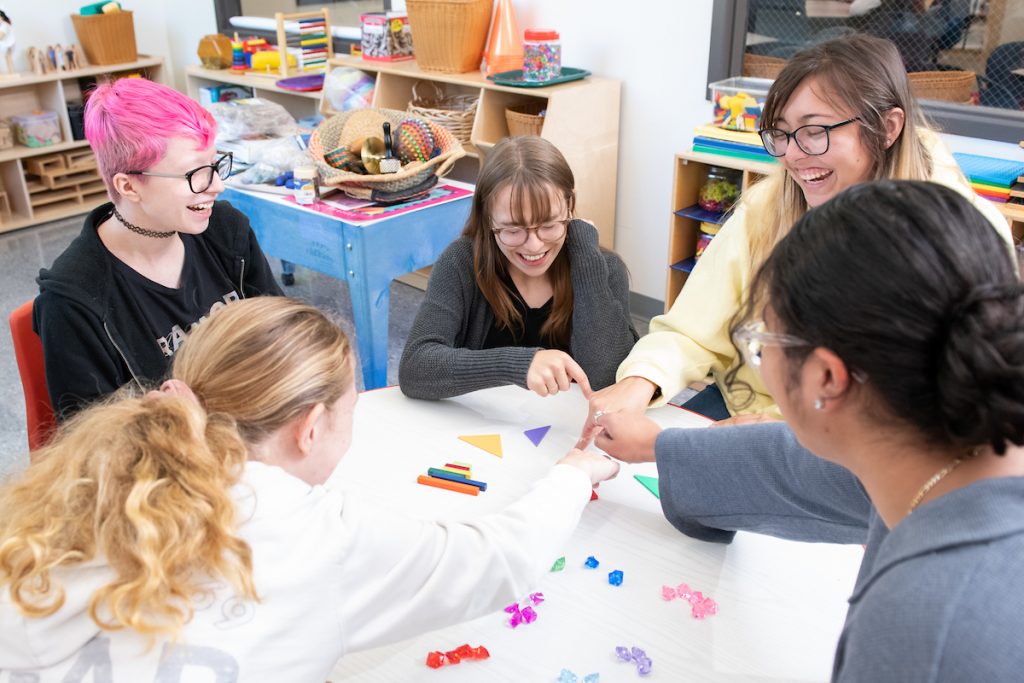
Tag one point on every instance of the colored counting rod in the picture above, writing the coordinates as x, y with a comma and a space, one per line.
445, 484
457, 478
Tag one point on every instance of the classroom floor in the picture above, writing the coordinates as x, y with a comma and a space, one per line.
24, 252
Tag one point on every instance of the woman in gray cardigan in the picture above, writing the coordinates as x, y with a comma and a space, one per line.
899, 363
525, 296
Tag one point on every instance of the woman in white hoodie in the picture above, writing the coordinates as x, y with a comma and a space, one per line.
187, 533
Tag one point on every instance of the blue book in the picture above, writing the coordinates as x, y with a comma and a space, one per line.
1001, 172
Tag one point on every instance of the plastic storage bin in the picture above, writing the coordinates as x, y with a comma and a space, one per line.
39, 129
739, 101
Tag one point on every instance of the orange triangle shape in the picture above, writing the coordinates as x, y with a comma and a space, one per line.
488, 442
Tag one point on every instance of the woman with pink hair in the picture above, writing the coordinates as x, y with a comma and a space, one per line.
156, 260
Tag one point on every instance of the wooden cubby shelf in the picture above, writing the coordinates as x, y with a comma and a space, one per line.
40, 184
582, 120
690, 170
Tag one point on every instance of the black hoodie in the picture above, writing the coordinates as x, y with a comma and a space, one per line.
90, 347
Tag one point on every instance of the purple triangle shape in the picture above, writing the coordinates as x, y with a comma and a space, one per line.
537, 435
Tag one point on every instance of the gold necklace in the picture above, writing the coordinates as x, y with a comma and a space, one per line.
930, 484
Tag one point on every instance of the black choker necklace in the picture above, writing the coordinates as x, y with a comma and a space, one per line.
143, 231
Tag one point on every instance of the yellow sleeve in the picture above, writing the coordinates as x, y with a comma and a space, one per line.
684, 344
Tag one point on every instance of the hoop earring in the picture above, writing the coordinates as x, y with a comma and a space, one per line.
819, 404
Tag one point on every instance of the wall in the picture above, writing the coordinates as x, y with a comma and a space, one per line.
162, 28
659, 53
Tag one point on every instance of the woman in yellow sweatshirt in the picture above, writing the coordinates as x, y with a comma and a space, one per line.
840, 113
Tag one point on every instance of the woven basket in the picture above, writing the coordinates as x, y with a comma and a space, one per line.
107, 38
449, 35
454, 112
524, 119
334, 132
761, 66
948, 86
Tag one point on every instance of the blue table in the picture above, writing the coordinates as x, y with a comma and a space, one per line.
368, 257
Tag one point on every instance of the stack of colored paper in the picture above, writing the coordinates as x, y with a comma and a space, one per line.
990, 177
730, 143
454, 476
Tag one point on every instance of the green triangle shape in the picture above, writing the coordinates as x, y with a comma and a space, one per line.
650, 483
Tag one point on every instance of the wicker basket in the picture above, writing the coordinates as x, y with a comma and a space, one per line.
761, 66
948, 86
449, 35
525, 119
334, 133
454, 112
107, 38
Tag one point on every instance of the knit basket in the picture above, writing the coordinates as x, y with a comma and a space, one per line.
449, 35
524, 119
454, 112
333, 133
762, 66
948, 86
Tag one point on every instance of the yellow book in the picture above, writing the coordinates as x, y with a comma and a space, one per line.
728, 135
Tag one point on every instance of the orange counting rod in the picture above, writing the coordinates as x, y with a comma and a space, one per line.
450, 485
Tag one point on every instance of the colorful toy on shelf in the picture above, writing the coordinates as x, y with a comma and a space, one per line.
310, 41
739, 111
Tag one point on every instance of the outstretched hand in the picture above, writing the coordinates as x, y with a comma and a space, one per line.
552, 371
630, 437
631, 395
598, 467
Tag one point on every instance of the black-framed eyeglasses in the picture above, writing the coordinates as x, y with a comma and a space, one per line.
199, 179
516, 236
812, 139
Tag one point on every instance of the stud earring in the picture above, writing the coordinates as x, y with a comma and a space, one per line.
819, 404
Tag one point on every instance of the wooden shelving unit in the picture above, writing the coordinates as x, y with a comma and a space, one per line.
690, 171
582, 120
299, 104
691, 168
32, 198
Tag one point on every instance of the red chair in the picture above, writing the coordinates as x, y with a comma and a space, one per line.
28, 350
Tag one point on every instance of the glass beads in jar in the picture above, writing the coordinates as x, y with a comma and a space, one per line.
721, 189
542, 55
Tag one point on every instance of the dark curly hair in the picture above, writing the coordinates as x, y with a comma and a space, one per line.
911, 286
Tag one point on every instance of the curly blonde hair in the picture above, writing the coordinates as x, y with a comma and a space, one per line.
144, 484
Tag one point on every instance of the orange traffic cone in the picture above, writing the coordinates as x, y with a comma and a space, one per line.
505, 46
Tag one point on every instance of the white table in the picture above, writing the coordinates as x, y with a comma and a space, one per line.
781, 604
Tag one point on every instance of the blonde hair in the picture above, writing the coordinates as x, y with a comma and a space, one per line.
144, 484
866, 74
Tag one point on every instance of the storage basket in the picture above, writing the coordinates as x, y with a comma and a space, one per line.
454, 112
107, 38
762, 66
449, 35
948, 86
525, 119
6, 137
334, 133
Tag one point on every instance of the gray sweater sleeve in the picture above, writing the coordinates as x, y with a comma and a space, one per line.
602, 329
442, 356
714, 482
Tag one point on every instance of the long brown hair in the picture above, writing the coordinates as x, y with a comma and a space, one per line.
531, 167
145, 483
866, 75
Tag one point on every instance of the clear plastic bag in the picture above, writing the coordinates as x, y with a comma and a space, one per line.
246, 118
274, 159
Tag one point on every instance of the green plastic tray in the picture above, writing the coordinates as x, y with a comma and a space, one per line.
515, 78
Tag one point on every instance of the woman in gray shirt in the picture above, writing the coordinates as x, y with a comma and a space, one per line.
899, 363
525, 296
